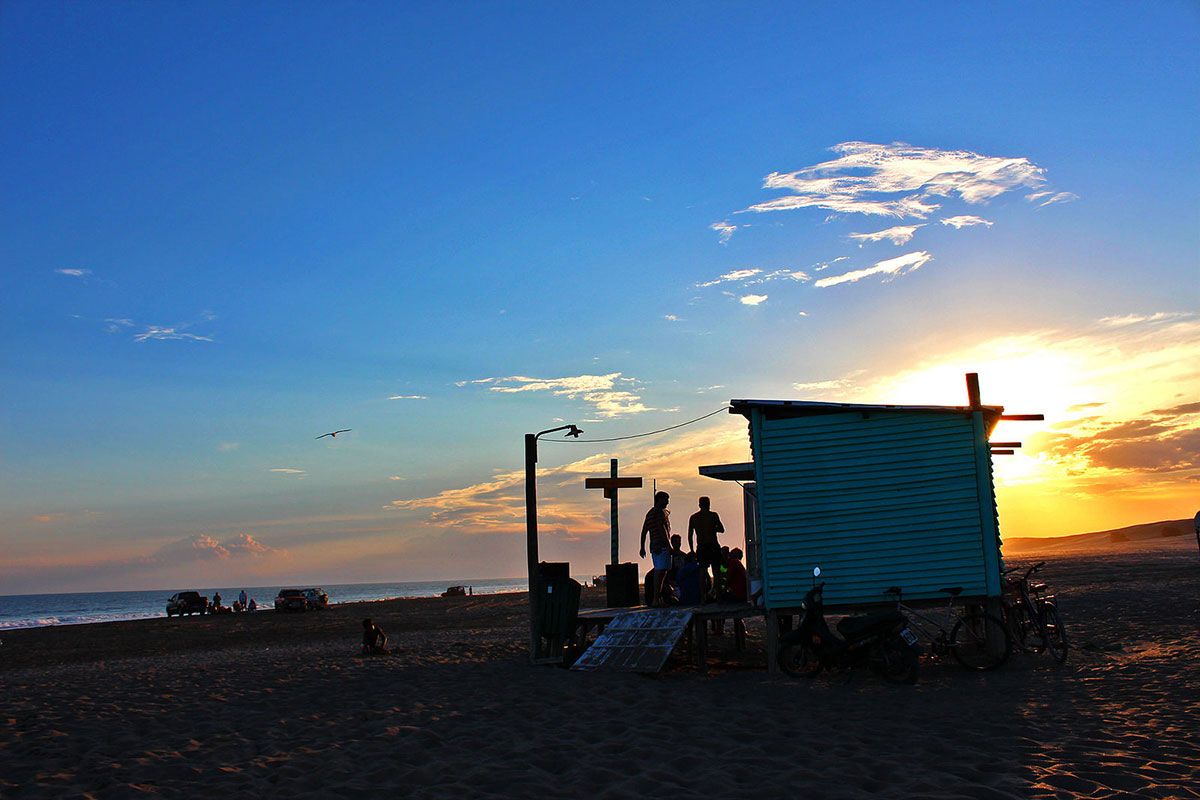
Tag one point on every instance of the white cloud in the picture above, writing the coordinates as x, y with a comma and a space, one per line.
827, 264
395, 477
600, 391
752, 299
892, 267
1052, 197
228, 447
116, 325
802, 314
965, 221
898, 180
724, 229
408, 397
898, 235
734, 275
74, 273
670, 318
162, 334
288, 471
1138, 319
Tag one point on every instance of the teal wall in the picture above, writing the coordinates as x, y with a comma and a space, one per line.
876, 499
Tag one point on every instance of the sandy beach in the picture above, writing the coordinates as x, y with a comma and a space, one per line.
272, 705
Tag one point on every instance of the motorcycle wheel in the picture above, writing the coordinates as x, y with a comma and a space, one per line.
980, 642
900, 663
799, 660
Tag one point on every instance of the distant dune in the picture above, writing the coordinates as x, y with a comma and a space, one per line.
1134, 536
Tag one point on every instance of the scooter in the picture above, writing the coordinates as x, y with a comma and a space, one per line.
879, 639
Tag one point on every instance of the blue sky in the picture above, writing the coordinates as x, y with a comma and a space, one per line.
230, 228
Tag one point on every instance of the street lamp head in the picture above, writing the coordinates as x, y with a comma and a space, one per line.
573, 431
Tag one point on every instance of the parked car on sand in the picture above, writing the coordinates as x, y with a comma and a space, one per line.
186, 603
316, 599
301, 600
290, 600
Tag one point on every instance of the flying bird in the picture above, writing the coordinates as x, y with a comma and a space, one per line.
334, 433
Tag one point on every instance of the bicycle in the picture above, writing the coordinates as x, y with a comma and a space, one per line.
974, 638
1032, 616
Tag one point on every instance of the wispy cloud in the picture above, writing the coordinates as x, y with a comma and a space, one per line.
1050, 198
824, 265
724, 229
228, 447
755, 276
898, 235
497, 505
408, 397
1137, 319
965, 221
117, 325
74, 273
898, 180
730, 277
829, 385
395, 477
752, 299
289, 471
892, 267
602, 392
157, 333
670, 318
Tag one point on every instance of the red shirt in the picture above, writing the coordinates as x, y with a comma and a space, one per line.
739, 588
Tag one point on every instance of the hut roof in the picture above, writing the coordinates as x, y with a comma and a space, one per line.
776, 409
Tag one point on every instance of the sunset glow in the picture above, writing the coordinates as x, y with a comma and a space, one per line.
227, 234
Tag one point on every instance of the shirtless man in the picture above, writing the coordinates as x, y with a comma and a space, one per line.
703, 528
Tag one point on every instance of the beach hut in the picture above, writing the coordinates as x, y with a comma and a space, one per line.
875, 495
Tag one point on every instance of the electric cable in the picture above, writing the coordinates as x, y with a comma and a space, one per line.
640, 435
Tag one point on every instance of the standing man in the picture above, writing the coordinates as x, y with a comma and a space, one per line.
658, 527
703, 528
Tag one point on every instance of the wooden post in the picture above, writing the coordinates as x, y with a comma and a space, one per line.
531, 538
973, 390
612, 473
772, 642
611, 485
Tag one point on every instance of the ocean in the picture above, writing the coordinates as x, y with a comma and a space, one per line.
38, 610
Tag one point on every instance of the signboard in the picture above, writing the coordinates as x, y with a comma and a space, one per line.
636, 641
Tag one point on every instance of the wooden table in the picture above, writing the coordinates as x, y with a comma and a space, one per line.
597, 618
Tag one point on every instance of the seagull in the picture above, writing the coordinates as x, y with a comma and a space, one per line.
333, 433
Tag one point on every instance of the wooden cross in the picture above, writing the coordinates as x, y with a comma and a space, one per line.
610, 485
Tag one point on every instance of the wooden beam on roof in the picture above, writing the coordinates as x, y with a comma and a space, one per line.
1023, 417
1005, 444
973, 390
1003, 452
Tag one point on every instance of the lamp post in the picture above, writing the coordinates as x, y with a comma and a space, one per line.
531, 529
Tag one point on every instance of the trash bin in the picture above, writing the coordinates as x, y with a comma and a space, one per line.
558, 616
622, 585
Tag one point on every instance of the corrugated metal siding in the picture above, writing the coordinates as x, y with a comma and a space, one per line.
875, 500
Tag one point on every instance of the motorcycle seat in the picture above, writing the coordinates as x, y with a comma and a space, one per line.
953, 591
850, 627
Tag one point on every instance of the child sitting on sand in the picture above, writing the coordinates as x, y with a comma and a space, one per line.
374, 641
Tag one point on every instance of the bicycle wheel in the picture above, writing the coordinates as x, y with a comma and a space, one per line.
1056, 634
1026, 633
799, 660
980, 641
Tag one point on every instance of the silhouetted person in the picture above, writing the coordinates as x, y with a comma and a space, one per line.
703, 528
242, 598
253, 605
658, 527
690, 581
217, 600
737, 589
374, 641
